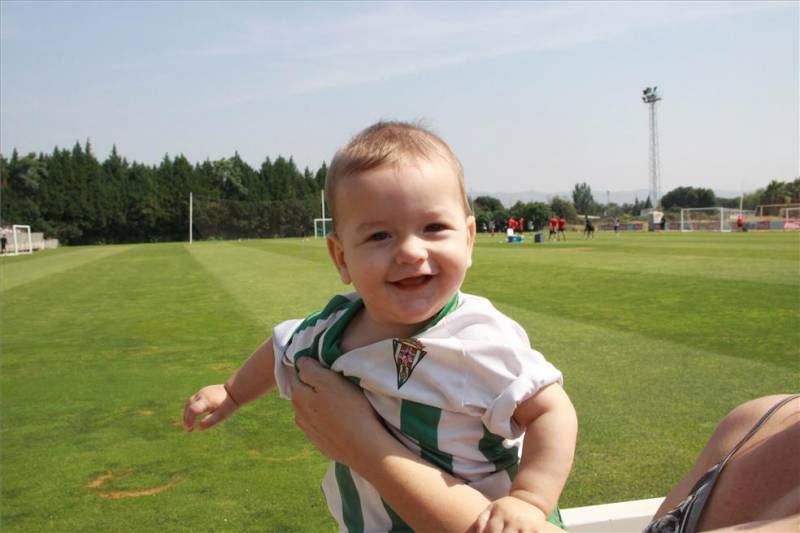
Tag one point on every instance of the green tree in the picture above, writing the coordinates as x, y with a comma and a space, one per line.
794, 190
537, 213
101, 193
21, 189
489, 209
731, 203
488, 203
230, 179
565, 208
583, 200
688, 197
320, 176
777, 192
115, 171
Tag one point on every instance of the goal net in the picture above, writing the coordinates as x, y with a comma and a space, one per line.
322, 226
776, 210
712, 218
791, 218
17, 240
216, 218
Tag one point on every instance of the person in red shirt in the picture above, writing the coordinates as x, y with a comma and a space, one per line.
553, 227
740, 223
562, 224
512, 224
521, 225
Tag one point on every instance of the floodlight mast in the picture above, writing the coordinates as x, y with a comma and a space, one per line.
650, 96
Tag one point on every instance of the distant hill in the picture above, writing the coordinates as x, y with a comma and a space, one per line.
618, 197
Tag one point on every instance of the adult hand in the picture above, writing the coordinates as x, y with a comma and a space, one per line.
339, 420
332, 412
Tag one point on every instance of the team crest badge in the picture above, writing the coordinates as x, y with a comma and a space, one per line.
407, 355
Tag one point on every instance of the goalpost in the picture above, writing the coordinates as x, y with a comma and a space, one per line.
775, 210
791, 218
20, 241
322, 226
711, 218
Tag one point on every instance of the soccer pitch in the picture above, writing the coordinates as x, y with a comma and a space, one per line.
658, 336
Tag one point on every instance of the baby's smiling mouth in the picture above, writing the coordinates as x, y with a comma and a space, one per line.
412, 282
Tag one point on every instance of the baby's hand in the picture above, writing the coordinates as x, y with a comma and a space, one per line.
214, 400
512, 514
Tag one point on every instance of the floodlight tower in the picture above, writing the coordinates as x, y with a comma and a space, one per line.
650, 96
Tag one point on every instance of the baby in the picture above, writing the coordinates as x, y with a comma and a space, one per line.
454, 380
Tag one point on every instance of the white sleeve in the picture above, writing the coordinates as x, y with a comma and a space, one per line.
282, 336
504, 370
536, 374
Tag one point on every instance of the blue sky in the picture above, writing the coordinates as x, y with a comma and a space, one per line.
530, 95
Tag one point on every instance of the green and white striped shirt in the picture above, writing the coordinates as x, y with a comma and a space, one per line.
448, 394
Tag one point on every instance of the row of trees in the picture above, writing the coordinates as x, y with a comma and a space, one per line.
71, 195
488, 209
777, 192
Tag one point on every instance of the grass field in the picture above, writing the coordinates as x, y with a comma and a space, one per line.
658, 335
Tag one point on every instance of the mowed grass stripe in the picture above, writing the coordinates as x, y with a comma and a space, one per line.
767, 271
635, 397
96, 364
677, 255
22, 269
739, 318
270, 284
716, 316
753, 245
772, 245
314, 250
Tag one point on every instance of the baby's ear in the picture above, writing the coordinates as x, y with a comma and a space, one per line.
470, 238
336, 251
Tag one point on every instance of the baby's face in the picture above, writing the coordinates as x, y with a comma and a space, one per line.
403, 240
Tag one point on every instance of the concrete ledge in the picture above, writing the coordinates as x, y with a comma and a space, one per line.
622, 517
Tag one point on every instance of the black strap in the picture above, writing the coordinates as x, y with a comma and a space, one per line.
710, 478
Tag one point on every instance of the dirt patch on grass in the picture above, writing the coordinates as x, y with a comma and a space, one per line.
223, 368
115, 495
102, 479
255, 454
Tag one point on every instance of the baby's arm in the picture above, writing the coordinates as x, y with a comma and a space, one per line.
255, 378
547, 454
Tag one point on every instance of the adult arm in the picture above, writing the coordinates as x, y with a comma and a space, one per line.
341, 423
758, 485
789, 524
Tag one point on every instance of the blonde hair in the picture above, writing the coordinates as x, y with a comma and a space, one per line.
388, 143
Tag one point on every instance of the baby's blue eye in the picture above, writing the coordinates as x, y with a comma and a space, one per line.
435, 227
378, 236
